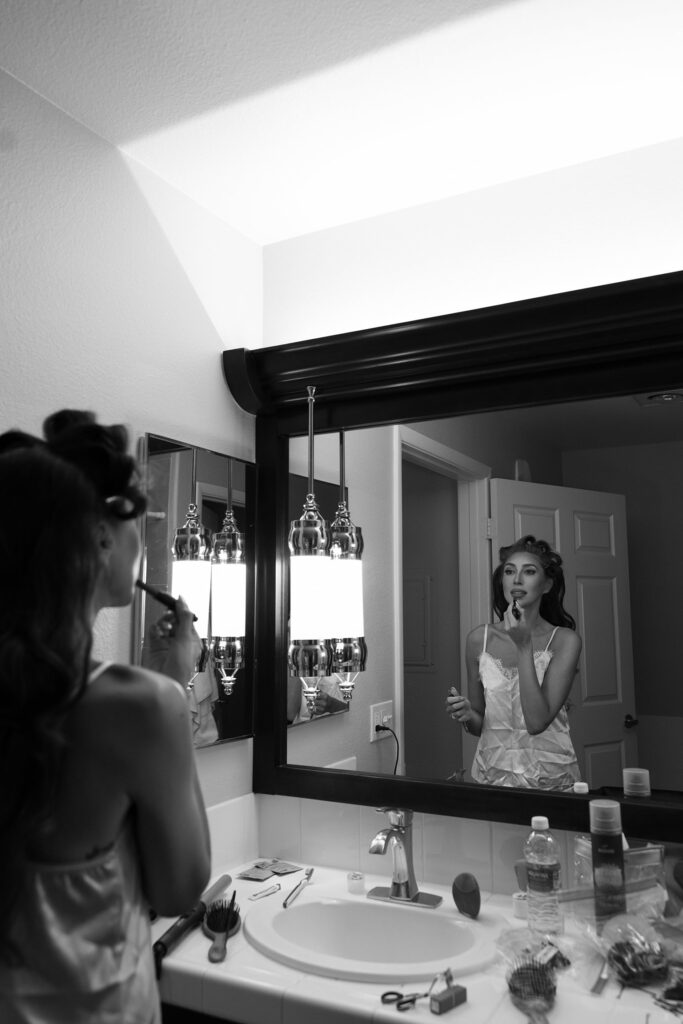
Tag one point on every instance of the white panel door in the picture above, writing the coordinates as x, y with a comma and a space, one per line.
588, 529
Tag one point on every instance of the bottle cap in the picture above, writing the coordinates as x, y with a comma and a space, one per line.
539, 823
580, 787
636, 782
605, 816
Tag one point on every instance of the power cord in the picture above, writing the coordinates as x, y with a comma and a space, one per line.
385, 728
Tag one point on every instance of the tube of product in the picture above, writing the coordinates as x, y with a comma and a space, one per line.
609, 880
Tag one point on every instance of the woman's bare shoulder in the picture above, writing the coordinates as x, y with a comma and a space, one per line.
475, 637
566, 639
130, 690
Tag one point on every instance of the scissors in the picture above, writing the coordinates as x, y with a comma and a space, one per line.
403, 1002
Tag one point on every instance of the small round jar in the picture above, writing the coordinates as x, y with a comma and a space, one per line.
355, 881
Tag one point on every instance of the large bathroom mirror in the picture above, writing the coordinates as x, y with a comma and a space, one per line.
176, 474
477, 384
597, 479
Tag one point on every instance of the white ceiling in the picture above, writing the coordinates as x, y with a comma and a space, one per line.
290, 116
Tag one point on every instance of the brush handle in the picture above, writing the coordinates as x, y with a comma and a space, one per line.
217, 950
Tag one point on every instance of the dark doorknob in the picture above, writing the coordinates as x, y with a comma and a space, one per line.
630, 721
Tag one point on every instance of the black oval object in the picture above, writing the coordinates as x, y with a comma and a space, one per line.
466, 894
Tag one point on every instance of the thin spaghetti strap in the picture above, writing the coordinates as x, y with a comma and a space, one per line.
551, 637
486, 633
98, 670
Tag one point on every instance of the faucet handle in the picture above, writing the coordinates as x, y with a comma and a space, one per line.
399, 817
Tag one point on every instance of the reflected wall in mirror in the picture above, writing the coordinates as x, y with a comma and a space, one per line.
177, 474
602, 484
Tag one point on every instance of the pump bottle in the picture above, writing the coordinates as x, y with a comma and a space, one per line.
609, 882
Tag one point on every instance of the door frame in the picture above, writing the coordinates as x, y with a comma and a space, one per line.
474, 547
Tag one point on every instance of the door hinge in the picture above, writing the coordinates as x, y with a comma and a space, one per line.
490, 525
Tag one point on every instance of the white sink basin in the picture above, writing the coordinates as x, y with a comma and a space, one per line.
366, 940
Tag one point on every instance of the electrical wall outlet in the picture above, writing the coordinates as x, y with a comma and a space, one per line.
381, 714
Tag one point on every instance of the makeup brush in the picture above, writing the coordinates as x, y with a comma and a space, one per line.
515, 610
219, 924
160, 595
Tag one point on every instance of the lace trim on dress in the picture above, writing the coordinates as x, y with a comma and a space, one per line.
511, 671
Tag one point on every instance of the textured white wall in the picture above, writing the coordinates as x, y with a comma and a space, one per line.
118, 294
607, 220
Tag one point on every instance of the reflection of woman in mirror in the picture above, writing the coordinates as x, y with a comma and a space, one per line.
102, 814
520, 672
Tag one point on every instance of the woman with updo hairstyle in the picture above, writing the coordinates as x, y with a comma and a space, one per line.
101, 815
551, 608
520, 671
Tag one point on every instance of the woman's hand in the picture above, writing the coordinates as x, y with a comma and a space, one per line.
457, 706
172, 645
326, 704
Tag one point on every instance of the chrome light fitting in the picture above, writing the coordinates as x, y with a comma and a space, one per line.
346, 548
310, 654
191, 568
228, 597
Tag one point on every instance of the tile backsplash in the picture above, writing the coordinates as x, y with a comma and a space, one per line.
338, 835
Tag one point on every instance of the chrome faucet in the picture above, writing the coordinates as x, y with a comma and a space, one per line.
399, 837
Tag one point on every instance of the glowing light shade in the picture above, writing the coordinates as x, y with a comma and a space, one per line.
191, 569
346, 602
310, 651
228, 597
311, 611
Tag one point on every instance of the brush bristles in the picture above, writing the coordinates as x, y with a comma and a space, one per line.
220, 916
530, 981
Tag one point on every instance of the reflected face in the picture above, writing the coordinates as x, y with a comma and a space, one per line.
524, 579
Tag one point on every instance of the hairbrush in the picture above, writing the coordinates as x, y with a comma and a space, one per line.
532, 989
161, 596
221, 921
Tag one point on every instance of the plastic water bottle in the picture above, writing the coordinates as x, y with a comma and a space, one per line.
542, 856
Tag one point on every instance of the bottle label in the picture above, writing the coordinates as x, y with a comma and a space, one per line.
608, 875
543, 878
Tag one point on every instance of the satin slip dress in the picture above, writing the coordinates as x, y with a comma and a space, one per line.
507, 754
84, 937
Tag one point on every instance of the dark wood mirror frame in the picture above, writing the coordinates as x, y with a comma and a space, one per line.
616, 339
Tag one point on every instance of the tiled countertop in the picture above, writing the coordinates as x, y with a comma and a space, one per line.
250, 988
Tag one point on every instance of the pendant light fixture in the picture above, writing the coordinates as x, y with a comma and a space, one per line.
346, 548
228, 597
310, 653
191, 568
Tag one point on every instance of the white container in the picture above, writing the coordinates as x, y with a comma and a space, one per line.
636, 782
542, 856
